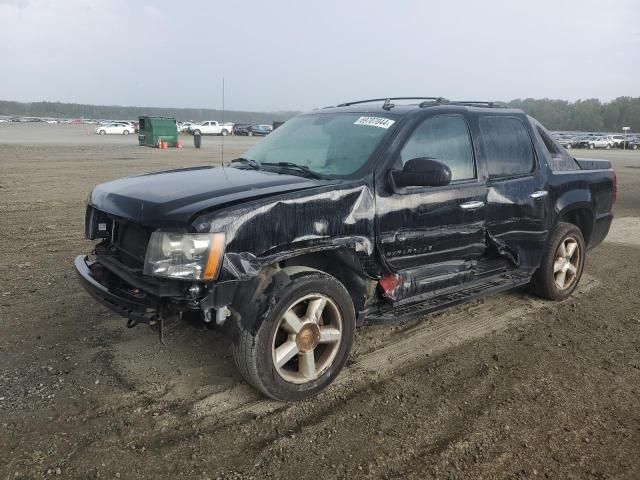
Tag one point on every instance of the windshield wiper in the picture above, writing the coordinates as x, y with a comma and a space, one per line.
294, 166
247, 161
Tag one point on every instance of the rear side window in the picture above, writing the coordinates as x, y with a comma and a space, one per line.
444, 138
558, 159
549, 144
507, 146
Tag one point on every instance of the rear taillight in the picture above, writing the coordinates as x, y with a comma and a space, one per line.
614, 193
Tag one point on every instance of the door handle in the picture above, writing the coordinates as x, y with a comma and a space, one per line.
472, 205
539, 194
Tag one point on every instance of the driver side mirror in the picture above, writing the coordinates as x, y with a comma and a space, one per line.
422, 172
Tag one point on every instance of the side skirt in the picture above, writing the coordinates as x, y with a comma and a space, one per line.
418, 306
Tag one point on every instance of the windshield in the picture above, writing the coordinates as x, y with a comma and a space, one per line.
334, 144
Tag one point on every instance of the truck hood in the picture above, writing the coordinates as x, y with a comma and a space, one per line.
172, 198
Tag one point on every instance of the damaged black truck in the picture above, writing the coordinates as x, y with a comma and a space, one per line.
365, 212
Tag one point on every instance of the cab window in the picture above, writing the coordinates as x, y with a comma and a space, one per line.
444, 138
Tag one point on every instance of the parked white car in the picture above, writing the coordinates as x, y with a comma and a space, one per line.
600, 142
115, 129
615, 140
184, 126
211, 127
126, 122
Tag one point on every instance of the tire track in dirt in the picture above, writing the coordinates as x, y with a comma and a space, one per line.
409, 344
625, 231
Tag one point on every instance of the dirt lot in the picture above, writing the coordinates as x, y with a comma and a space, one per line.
507, 387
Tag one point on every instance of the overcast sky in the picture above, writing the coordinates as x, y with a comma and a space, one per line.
297, 55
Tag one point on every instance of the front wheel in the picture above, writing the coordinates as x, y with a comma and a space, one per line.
562, 263
224, 133
196, 132
102, 132
303, 340
126, 132
591, 146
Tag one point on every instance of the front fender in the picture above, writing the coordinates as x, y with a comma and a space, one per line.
271, 230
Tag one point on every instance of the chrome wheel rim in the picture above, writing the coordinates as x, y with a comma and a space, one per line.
566, 263
307, 339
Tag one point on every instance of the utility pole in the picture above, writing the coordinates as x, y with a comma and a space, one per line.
625, 130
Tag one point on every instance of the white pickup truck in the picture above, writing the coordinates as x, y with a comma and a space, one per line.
211, 127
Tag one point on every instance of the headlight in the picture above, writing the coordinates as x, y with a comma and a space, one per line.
190, 256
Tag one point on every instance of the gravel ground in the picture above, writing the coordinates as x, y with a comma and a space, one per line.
506, 387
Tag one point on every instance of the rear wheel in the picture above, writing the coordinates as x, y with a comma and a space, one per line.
102, 132
303, 341
126, 132
249, 134
196, 132
562, 264
591, 146
225, 133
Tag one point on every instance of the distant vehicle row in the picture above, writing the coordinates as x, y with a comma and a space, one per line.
212, 127
107, 127
592, 141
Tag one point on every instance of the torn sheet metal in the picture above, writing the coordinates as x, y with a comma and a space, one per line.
502, 249
273, 229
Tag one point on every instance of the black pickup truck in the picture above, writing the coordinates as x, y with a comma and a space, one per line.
366, 212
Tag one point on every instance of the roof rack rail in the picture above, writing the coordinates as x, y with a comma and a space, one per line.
435, 101
474, 103
426, 102
387, 101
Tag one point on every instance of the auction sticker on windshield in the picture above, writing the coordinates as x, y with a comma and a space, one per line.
375, 122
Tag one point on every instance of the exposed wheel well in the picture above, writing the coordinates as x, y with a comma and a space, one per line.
343, 265
581, 218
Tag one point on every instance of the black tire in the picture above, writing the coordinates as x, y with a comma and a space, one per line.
126, 132
102, 132
196, 132
224, 133
249, 134
253, 352
635, 147
544, 282
591, 146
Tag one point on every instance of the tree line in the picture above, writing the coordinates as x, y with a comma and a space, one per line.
100, 112
581, 115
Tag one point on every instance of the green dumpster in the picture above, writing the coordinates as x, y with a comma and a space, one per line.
152, 129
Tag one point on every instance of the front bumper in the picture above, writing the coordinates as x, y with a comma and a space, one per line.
129, 302
145, 300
